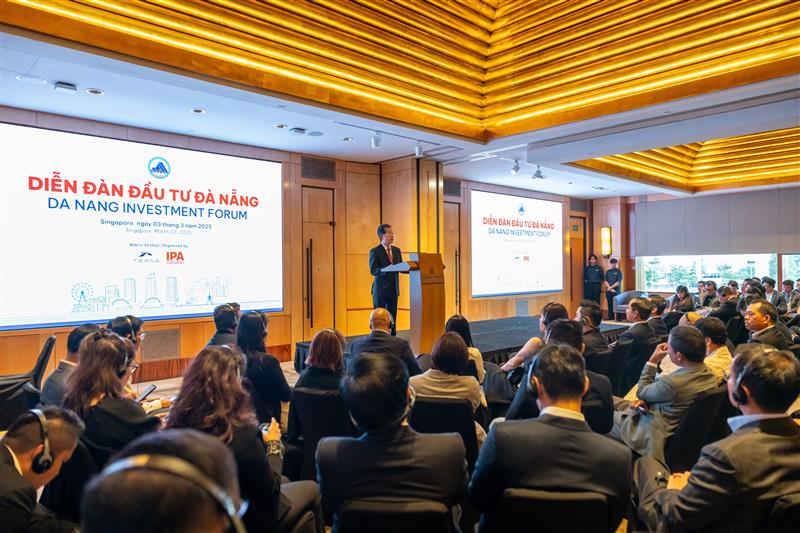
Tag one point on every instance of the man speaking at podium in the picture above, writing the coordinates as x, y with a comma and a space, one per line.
386, 285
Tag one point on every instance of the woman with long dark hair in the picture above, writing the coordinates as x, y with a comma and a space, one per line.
265, 380
460, 325
551, 312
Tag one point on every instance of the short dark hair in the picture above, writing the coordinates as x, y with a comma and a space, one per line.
789, 283
772, 376
64, 428
593, 256
561, 370
756, 289
688, 341
725, 290
225, 317
701, 281
374, 389
713, 328
733, 283
712, 283
763, 307
658, 302
78, 334
382, 229
251, 333
553, 311
126, 326
591, 310
459, 324
567, 332
144, 499
449, 354
641, 306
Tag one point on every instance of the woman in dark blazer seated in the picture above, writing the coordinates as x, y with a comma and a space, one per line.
96, 392
682, 301
265, 380
213, 400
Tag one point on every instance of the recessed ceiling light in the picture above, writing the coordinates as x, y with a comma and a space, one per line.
315, 134
280, 106
347, 139
281, 126
94, 91
199, 111
599, 188
26, 78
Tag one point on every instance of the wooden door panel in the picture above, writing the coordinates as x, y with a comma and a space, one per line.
577, 247
318, 262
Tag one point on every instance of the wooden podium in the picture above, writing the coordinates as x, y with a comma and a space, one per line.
427, 298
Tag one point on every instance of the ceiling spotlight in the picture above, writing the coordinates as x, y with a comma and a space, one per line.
27, 78
538, 174
347, 139
515, 168
375, 140
418, 151
281, 126
315, 134
199, 111
94, 91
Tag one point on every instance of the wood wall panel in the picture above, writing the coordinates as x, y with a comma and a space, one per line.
612, 212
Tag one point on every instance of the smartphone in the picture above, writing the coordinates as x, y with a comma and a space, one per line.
143, 396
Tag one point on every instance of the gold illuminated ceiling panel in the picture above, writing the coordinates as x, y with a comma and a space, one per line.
480, 69
767, 158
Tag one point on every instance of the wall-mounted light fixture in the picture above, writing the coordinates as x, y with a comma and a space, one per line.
605, 241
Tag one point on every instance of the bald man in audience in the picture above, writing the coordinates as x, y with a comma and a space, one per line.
380, 340
688, 319
761, 320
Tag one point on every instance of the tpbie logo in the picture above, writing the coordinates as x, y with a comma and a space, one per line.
159, 168
174, 258
521, 210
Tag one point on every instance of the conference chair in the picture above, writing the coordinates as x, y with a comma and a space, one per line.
321, 414
598, 363
471, 370
528, 511
63, 494
785, 514
446, 415
368, 516
621, 301
636, 362
20, 392
703, 423
425, 361
617, 364
736, 331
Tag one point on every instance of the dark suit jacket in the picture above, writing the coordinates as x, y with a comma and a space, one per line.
387, 283
640, 334
112, 424
221, 338
725, 311
772, 336
595, 343
381, 342
657, 325
734, 482
398, 463
55, 386
18, 512
267, 385
597, 405
551, 453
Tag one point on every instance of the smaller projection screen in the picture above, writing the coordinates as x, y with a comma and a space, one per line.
517, 245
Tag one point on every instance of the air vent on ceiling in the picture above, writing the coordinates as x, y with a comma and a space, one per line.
452, 188
316, 168
576, 204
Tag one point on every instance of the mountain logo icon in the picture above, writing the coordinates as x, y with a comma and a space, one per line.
521, 209
159, 168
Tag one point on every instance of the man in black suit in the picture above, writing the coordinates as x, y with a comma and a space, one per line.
738, 480
657, 306
390, 461
379, 341
590, 316
760, 319
727, 305
612, 281
386, 285
641, 334
31, 454
226, 318
598, 403
556, 451
55, 386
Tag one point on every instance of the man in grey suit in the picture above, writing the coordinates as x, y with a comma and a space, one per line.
739, 480
55, 385
646, 423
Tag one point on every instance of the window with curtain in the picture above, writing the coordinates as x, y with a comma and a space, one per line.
663, 273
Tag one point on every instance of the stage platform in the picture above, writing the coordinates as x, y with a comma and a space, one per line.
496, 339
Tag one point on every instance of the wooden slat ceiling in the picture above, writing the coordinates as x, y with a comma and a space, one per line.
767, 158
479, 69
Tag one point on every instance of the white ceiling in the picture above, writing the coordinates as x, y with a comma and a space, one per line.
147, 97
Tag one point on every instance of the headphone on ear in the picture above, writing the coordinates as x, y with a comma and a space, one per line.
43, 461
532, 390
739, 394
188, 472
133, 332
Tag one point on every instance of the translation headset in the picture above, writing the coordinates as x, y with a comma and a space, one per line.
739, 393
532, 390
236, 355
43, 461
133, 332
186, 471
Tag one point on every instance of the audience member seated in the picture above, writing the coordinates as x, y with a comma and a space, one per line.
761, 319
727, 305
639, 332
176, 481
682, 301
212, 400
459, 324
446, 379
790, 296
380, 340
657, 306
645, 424
556, 451
128, 327
390, 461
568, 332
701, 292
774, 297
96, 392
734, 286
265, 380
710, 296
226, 319
689, 319
55, 385
736, 480
550, 312
589, 315
32, 451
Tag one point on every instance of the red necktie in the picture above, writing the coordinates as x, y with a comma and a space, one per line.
389, 253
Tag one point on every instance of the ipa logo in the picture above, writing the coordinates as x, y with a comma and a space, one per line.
174, 258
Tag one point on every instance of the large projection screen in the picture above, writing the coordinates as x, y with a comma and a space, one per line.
94, 228
517, 245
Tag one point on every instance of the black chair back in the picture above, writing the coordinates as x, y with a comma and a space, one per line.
41, 362
367, 516
63, 494
636, 362
598, 363
446, 415
785, 514
525, 510
17, 395
683, 447
321, 414
471, 370
425, 361
617, 364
